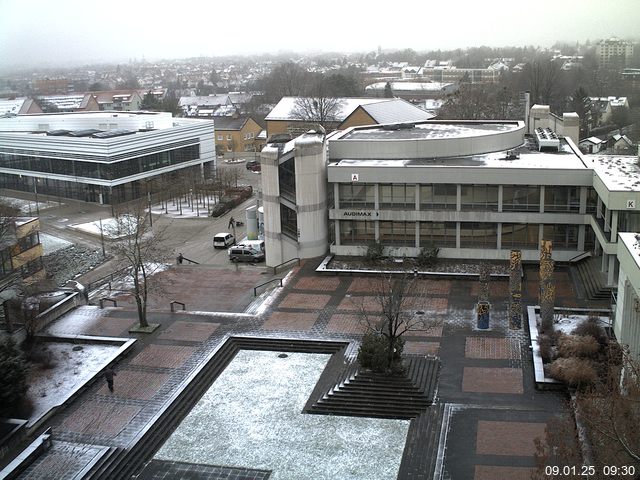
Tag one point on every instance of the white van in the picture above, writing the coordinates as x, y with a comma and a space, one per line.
223, 240
255, 244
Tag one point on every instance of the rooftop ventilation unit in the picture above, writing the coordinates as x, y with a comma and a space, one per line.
547, 139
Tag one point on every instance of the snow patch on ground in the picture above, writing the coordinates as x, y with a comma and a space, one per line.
27, 207
49, 388
251, 417
52, 244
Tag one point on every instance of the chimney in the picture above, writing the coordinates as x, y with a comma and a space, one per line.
527, 107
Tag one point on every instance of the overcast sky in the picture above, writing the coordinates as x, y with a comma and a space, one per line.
54, 31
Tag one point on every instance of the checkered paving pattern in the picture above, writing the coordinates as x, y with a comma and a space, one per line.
165, 356
317, 283
357, 304
189, 331
135, 384
431, 331
492, 348
492, 380
95, 322
290, 321
61, 459
364, 285
490, 472
508, 438
345, 323
100, 418
305, 300
421, 348
432, 287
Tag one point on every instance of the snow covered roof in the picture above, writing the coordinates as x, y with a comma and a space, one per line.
284, 110
396, 110
205, 101
631, 241
617, 172
594, 140
11, 107
410, 86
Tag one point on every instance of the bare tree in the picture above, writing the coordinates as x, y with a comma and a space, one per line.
139, 247
8, 214
544, 77
399, 299
318, 106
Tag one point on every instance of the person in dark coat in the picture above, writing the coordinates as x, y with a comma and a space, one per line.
180, 259
232, 222
108, 375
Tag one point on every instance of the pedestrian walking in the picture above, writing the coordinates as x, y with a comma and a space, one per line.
232, 222
108, 375
180, 259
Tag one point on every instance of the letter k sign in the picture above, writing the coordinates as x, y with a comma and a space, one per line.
354, 177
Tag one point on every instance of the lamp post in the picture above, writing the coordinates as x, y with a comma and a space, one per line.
35, 189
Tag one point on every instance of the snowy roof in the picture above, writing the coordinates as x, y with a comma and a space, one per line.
631, 240
396, 110
450, 130
202, 101
229, 123
594, 140
410, 86
284, 110
11, 106
617, 172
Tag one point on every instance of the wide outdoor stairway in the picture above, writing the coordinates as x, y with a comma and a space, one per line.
592, 279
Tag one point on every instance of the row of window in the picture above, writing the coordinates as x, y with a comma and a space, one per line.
246, 136
443, 234
106, 171
516, 198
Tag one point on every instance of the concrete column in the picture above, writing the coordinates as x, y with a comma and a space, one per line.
611, 275
499, 233
541, 233
336, 224
571, 126
599, 208
271, 204
336, 195
583, 200
500, 196
581, 237
417, 228
458, 231
458, 198
542, 198
614, 225
603, 264
607, 221
376, 191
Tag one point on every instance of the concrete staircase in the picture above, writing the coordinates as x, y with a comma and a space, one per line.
592, 279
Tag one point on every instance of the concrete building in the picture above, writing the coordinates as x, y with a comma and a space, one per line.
21, 252
412, 91
626, 323
237, 134
475, 189
614, 53
103, 157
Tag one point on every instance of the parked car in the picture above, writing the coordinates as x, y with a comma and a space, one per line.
244, 253
223, 240
253, 165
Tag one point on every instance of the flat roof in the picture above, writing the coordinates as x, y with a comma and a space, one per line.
525, 156
617, 172
429, 130
631, 240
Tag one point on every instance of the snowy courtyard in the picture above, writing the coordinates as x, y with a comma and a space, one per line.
252, 417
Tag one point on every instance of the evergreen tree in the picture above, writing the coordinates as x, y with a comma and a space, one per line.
388, 92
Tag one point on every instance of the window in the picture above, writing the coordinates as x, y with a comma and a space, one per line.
356, 195
400, 234
438, 197
438, 234
357, 232
287, 179
251, 135
561, 199
479, 197
229, 149
520, 235
289, 222
228, 136
478, 235
520, 198
220, 136
563, 236
398, 196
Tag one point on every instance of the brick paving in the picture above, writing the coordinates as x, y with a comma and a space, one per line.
492, 380
508, 438
486, 376
491, 347
189, 331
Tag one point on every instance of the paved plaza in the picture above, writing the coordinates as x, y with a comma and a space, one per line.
491, 410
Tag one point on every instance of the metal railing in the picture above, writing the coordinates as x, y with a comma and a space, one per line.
107, 299
580, 256
275, 269
106, 279
255, 289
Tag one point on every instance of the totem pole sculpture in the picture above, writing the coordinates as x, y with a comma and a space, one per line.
483, 308
515, 290
547, 286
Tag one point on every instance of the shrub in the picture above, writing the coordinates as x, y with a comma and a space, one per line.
590, 327
375, 252
577, 346
374, 350
13, 381
575, 372
428, 256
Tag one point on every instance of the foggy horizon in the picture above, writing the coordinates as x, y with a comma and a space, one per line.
72, 33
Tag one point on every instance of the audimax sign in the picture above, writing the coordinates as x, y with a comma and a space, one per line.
360, 213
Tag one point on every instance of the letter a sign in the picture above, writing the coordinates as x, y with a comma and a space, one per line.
354, 177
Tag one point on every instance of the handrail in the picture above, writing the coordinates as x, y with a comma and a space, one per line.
102, 279
188, 260
173, 305
284, 263
102, 300
255, 289
580, 256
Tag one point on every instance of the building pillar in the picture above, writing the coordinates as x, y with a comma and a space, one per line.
500, 196
603, 264
581, 237
458, 198
542, 193
583, 200
457, 234
499, 235
336, 224
376, 196
611, 275
599, 208
607, 221
614, 225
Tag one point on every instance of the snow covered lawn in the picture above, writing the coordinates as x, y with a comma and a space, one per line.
251, 417
52, 244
